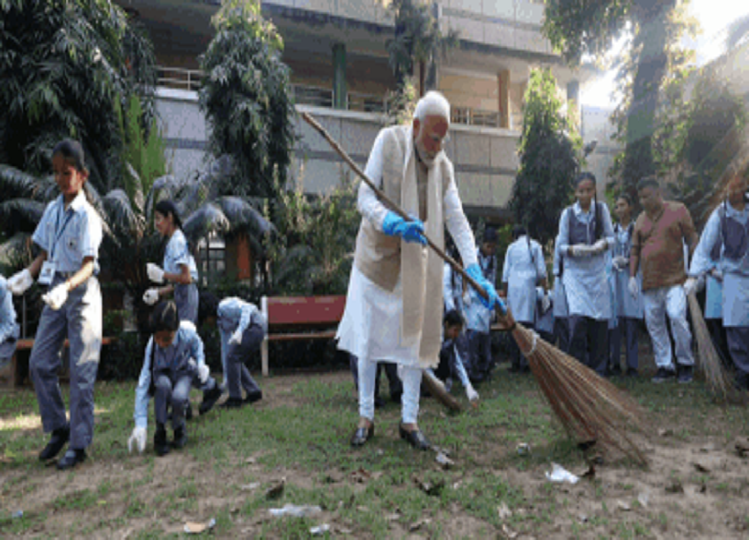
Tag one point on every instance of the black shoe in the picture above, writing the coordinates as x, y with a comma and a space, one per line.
615, 370
72, 457
188, 411
252, 397
232, 403
180, 438
632, 373
663, 375
160, 444
210, 397
56, 442
415, 438
685, 375
379, 403
362, 435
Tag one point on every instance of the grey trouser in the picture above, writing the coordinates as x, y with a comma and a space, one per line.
237, 374
738, 345
79, 319
176, 395
187, 299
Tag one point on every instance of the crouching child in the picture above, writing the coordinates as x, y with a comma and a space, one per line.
174, 359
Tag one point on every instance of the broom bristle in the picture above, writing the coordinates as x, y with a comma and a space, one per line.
716, 376
589, 407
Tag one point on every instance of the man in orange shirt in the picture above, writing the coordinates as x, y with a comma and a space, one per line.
658, 241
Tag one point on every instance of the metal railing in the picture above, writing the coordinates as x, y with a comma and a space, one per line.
474, 117
366, 103
179, 78
313, 95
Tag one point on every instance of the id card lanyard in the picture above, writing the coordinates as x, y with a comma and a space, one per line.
47, 273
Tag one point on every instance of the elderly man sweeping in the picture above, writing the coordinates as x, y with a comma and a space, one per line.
394, 302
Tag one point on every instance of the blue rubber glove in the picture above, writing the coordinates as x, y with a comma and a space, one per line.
494, 300
410, 231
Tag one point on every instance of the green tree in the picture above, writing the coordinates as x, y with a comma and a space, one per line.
65, 64
579, 29
246, 96
418, 40
549, 148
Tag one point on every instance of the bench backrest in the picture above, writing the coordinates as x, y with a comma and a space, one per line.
290, 310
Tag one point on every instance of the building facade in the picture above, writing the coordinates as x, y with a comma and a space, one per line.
337, 53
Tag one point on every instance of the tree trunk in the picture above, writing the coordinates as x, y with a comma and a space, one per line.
651, 68
422, 78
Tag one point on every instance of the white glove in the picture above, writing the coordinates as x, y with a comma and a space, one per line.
56, 297
203, 373
471, 394
619, 263
690, 286
545, 303
236, 337
599, 247
634, 288
155, 273
151, 296
467, 298
717, 274
20, 282
137, 439
581, 250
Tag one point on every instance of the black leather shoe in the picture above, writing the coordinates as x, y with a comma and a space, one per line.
252, 397
72, 457
362, 435
160, 444
188, 411
55, 444
415, 438
180, 438
210, 397
232, 403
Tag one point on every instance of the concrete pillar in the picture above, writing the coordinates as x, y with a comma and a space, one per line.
340, 90
503, 83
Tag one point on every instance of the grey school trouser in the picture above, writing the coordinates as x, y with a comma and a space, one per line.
234, 356
176, 394
79, 319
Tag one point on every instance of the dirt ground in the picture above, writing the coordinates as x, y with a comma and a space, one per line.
693, 488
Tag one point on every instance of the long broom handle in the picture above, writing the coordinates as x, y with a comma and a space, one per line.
390, 204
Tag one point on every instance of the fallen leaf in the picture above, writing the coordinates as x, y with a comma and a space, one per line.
623, 506
250, 487
274, 492
701, 468
360, 476
504, 512
674, 486
197, 528
250, 460
509, 533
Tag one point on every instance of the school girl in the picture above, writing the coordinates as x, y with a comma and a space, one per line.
728, 226
180, 273
174, 359
9, 331
628, 308
585, 233
523, 269
69, 235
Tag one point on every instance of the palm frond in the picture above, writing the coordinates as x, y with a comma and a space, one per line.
243, 216
16, 181
121, 214
206, 219
27, 210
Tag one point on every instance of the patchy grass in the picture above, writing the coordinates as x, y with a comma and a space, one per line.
300, 433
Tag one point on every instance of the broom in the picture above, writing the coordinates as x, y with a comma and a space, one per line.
716, 376
591, 409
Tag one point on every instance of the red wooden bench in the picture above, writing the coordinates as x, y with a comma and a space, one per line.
12, 372
300, 318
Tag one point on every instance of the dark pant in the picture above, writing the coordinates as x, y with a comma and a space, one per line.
479, 354
589, 342
628, 327
391, 370
172, 393
237, 374
519, 362
562, 333
738, 345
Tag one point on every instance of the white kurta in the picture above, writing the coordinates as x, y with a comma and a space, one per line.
523, 268
371, 325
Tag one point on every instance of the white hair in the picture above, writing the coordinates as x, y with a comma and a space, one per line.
432, 104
